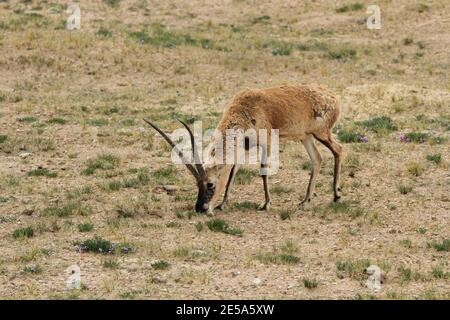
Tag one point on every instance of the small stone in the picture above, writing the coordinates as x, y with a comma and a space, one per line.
158, 280
235, 273
27, 212
170, 189
25, 155
257, 281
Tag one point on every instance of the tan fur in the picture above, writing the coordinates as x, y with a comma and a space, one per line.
299, 112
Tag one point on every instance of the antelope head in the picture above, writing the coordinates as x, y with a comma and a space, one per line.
208, 178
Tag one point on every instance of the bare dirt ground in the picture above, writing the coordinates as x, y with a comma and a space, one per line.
77, 161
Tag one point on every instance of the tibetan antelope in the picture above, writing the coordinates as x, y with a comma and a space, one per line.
299, 112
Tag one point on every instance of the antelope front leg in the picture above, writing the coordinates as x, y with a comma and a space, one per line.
316, 160
233, 172
266, 205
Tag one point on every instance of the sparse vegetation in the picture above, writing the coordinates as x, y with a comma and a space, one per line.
220, 225
26, 232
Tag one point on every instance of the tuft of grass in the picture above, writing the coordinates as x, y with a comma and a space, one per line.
404, 189
415, 169
246, 205
160, 265
42, 172
110, 263
244, 176
261, 19
26, 232
406, 243
220, 225
310, 283
285, 214
57, 120
66, 210
307, 165
103, 32
85, 227
438, 273
284, 254
199, 226
28, 119
417, 137
34, 269
347, 136
436, 158
98, 122
112, 3
441, 246
280, 189
3, 138
100, 245
166, 175
379, 125
406, 274
281, 48
103, 162
343, 54
354, 269
350, 7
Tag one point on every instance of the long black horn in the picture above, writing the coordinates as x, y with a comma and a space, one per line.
180, 154
197, 161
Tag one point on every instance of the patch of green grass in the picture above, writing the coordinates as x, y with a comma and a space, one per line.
441, 246
261, 19
85, 227
354, 269
34, 269
160, 265
306, 165
246, 205
167, 175
78, 192
417, 137
100, 245
310, 283
285, 214
42, 172
350, 7
99, 122
3, 138
103, 32
438, 273
280, 189
313, 45
348, 136
112, 3
103, 162
57, 120
26, 232
28, 119
404, 189
415, 169
281, 48
379, 125
110, 263
244, 176
66, 210
220, 225
421, 230
284, 254
406, 274
406, 243
173, 224
199, 226
343, 54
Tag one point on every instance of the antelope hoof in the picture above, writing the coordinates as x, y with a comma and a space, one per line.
264, 207
302, 203
336, 198
220, 207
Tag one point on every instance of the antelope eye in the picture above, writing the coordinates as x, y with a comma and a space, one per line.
210, 185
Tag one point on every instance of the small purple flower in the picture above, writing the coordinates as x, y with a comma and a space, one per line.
362, 138
403, 138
